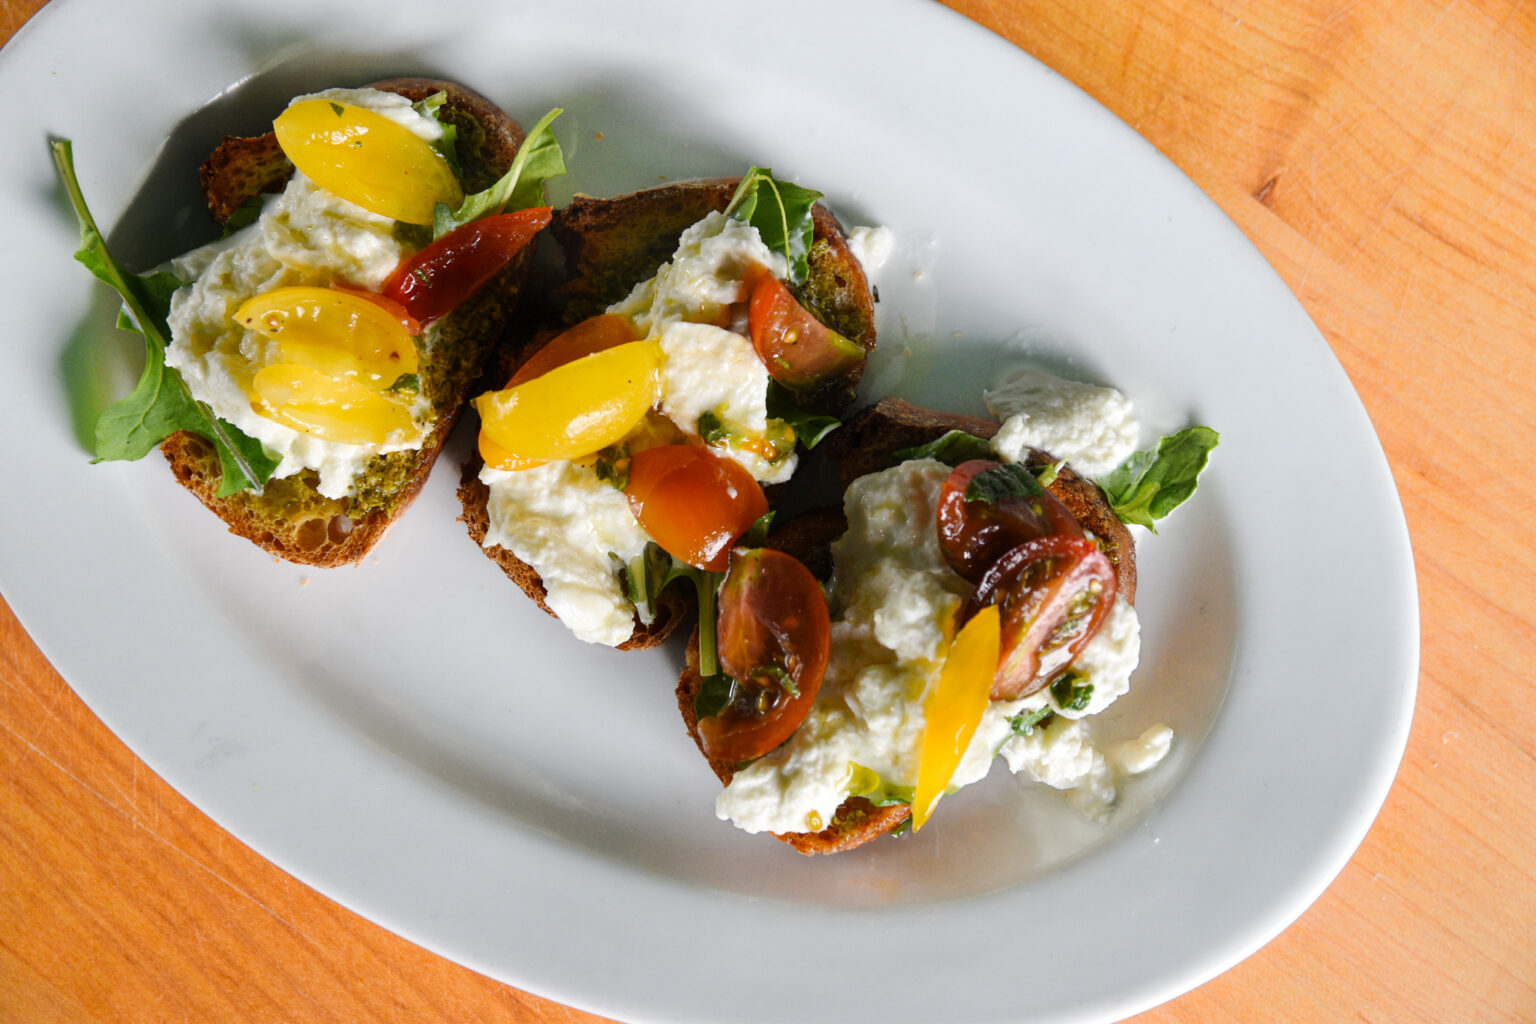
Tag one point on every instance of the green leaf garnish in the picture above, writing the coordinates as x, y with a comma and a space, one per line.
1024, 722
781, 212
447, 144
538, 159
712, 428
160, 404
714, 695
1070, 693
810, 428
1150, 484
406, 382
1005, 480
867, 783
951, 448
649, 573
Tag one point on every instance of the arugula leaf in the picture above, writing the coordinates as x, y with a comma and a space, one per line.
538, 160
781, 212
810, 428
1150, 484
951, 448
160, 404
447, 144
1005, 480
649, 573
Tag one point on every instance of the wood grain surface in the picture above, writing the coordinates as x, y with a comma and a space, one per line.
1380, 154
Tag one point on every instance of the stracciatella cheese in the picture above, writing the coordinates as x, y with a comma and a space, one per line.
553, 517
1092, 428
706, 368
304, 236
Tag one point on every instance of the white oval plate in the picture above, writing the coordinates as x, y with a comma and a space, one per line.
414, 739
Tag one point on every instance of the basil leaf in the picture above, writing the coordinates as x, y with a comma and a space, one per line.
1005, 480
612, 465
810, 428
712, 428
1150, 484
781, 212
406, 382
951, 448
159, 404
538, 159
649, 573
246, 214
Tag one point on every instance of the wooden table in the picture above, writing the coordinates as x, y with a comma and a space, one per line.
1380, 153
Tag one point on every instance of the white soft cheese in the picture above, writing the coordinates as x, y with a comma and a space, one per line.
703, 278
895, 601
872, 246
561, 519
305, 236
1093, 428
709, 369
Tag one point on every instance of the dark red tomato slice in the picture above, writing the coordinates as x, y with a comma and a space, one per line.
973, 534
1053, 593
449, 270
774, 635
800, 351
594, 334
692, 502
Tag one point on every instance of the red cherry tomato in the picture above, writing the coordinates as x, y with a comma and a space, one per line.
1054, 593
692, 502
774, 635
449, 270
973, 534
800, 351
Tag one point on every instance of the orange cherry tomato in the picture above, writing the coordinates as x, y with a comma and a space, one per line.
774, 636
450, 269
693, 502
800, 351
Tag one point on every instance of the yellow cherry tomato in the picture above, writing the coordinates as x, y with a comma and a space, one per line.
575, 409
365, 158
331, 408
336, 332
954, 708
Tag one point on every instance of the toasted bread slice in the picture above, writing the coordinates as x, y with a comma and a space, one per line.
869, 442
289, 517
610, 245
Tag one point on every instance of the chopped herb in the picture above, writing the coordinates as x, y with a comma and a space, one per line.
712, 428
1024, 722
810, 428
1005, 480
1070, 693
406, 382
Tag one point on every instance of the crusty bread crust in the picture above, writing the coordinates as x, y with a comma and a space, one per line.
607, 247
289, 518
868, 443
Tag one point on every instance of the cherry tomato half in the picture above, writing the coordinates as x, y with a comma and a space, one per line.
594, 334
693, 502
1054, 593
800, 351
972, 534
450, 269
774, 635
